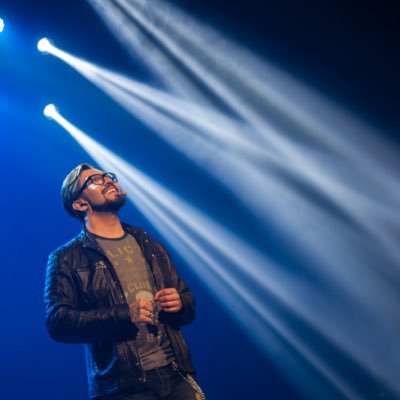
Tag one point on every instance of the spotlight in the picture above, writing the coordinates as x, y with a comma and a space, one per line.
44, 45
50, 111
1, 25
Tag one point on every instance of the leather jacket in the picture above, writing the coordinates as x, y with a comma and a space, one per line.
85, 303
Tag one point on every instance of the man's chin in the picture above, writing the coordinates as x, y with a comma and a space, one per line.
110, 205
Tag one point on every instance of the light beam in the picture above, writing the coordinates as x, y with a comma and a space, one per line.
218, 146
263, 295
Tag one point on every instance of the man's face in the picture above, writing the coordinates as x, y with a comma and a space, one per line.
105, 197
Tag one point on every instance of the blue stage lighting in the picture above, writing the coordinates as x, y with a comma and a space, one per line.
1, 25
50, 111
44, 45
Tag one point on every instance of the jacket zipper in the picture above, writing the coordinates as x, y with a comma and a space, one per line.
158, 280
117, 282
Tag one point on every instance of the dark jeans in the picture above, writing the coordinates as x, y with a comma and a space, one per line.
161, 384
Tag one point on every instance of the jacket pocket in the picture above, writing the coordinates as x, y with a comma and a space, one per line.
95, 282
104, 358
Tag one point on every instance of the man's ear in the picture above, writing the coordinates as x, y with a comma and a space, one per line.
80, 205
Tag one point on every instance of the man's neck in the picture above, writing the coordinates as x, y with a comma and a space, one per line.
104, 224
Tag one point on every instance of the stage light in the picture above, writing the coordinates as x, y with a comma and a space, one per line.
50, 111
44, 45
1, 25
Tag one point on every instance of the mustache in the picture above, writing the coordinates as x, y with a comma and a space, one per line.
110, 185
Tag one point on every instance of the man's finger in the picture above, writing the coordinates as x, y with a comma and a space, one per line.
146, 314
172, 309
141, 315
169, 297
168, 304
143, 304
164, 292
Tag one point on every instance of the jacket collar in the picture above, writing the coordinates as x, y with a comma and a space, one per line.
89, 241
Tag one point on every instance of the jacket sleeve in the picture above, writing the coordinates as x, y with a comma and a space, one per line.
187, 314
66, 322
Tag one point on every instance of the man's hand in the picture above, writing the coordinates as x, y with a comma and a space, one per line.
169, 300
142, 311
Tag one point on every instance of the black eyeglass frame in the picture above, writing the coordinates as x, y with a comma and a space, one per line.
90, 178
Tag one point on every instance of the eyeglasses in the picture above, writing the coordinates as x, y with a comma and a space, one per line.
97, 179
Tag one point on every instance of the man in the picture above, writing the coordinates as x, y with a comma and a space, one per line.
115, 289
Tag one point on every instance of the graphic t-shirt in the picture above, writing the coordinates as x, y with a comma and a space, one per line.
137, 282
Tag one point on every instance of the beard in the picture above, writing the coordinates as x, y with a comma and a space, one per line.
110, 205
